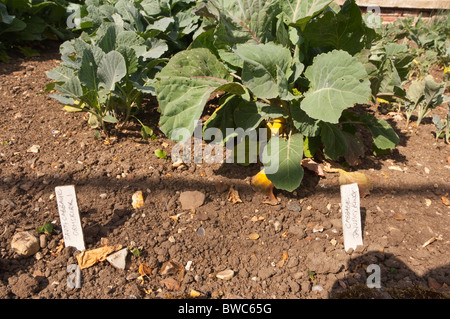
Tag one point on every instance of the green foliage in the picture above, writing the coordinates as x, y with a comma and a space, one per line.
23, 21
432, 35
161, 154
423, 96
403, 53
106, 75
46, 228
442, 126
427, 40
271, 63
113, 63
170, 21
388, 66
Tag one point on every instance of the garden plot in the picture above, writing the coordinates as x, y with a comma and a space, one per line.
340, 101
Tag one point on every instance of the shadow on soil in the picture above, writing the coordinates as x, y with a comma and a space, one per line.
396, 279
47, 50
393, 270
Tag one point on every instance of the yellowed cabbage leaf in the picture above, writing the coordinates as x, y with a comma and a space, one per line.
263, 185
364, 183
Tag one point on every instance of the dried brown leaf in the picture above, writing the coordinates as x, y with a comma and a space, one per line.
144, 270
309, 164
170, 283
233, 196
170, 267
88, 258
283, 260
331, 167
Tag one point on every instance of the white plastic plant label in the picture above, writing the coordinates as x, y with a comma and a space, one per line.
70, 217
351, 216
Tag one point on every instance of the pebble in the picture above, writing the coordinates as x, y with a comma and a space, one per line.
132, 276
277, 226
34, 149
294, 206
395, 168
25, 243
317, 288
118, 259
297, 229
191, 199
201, 231
43, 241
226, 274
178, 164
318, 229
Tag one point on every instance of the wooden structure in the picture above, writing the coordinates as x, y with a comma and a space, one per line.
391, 10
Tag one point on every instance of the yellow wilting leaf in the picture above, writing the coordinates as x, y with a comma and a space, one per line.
87, 258
138, 199
233, 196
276, 126
382, 100
77, 108
364, 183
263, 185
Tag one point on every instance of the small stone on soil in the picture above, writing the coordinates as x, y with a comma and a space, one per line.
118, 259
226, 274
191, 199
294, 206
25, 243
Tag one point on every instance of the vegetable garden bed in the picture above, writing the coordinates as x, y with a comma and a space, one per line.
350, 100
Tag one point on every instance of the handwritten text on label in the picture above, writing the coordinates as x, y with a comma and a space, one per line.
351, 216
70, 217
